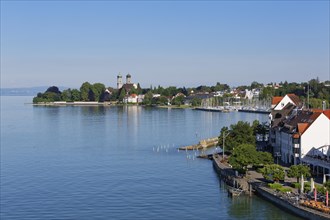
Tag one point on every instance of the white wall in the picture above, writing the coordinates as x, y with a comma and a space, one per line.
283, 103
317, 135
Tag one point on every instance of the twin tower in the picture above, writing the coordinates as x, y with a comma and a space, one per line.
120, 80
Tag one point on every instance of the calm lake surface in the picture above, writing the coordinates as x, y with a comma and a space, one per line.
102, 163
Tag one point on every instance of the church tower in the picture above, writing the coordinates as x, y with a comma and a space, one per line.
128, 79
119, 81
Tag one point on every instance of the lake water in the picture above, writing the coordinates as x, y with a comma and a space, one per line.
102, 163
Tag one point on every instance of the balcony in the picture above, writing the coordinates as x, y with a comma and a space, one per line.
321, 161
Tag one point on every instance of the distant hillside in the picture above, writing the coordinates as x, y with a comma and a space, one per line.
31, 91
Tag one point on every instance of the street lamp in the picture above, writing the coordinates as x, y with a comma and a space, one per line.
223, 143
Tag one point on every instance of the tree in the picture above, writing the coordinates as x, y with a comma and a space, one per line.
196, 101
267, 93
246, 154
84, 91
98, 89
255, 125
52, 94
327, 185
298, 170
256, 85
133, 91
172, 90
66, 95
162, 100
147, 98
184, 91
273, 172
264, 158
178, 100
91, 95
241, 133
122, 95
75, 95
242, 156
114, 95
139, 90
53, 89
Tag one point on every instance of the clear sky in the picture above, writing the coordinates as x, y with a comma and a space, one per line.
185, 43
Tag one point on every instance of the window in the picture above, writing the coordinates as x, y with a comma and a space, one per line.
295, 140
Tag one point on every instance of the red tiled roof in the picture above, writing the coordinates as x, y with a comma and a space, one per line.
133, 95
294, 98
316, 110
315, 115
276, 100
302, 127
296, 135
327, 113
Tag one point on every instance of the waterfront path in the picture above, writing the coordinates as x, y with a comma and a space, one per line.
292, 201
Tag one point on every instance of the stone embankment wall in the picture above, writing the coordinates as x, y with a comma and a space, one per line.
228, 175
294, 208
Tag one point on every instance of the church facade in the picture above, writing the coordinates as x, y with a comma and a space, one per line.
128, 85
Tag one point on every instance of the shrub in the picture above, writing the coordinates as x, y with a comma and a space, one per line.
307, 188
275, 185
320, 189
327, 185
284, 190
295, 185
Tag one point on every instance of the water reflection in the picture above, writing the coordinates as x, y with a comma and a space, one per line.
93, 110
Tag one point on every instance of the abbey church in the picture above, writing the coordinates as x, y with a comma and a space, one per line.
128, 85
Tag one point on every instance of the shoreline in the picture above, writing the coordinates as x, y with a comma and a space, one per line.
82, 103
72, 104
249, 184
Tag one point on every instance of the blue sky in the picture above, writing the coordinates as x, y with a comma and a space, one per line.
185, 43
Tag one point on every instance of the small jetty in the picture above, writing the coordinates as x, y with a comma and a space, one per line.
234, 191
203, 144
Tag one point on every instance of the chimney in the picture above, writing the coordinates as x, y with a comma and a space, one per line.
324, 105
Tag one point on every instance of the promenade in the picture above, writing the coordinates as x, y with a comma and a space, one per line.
254, 182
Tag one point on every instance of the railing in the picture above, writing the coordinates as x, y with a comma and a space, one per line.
316, 160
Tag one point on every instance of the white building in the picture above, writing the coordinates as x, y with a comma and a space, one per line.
140, 98
278, 103
133, 98
248, 94
300, 136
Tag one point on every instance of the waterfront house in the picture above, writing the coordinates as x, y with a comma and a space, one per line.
133, 98
278, 103
140, 98
298, 135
